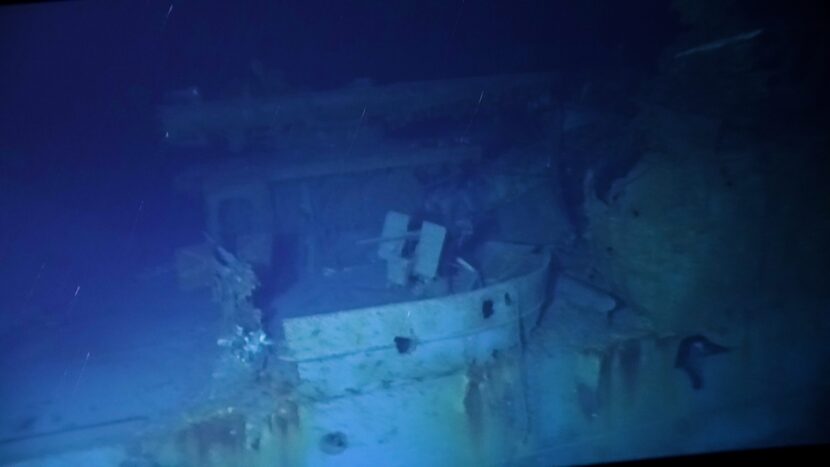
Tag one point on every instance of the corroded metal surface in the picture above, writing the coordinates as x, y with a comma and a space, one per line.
438, 380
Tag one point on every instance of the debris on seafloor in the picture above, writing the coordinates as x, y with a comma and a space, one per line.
233, 289
428, 252
391, 245
394, 235
403, 265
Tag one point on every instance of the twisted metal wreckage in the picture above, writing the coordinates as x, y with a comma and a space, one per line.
440, 341
452, 340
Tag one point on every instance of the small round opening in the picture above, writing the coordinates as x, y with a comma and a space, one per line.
334, 442
404, 344
487, 308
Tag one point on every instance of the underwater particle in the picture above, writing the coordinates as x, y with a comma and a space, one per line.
487, 308
404, 344
83, 367
720, 43
334, 443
